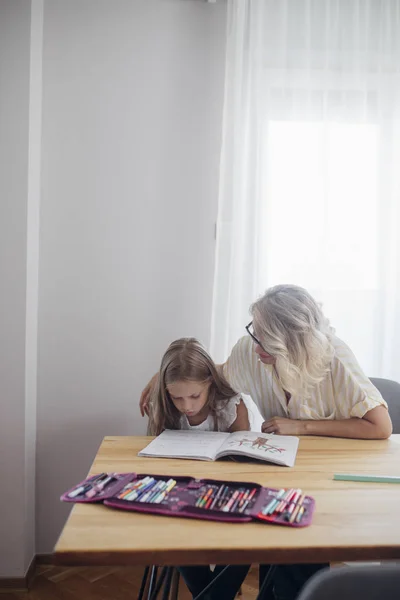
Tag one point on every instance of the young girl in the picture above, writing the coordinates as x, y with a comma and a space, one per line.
190, 393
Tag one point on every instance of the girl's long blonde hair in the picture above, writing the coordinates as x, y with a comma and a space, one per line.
186, 360
292, 327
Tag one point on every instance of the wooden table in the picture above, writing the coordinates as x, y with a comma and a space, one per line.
352, 521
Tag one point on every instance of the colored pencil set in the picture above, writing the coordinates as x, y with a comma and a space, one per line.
287, 505
187, 496
225, 498
148, 489
93, 486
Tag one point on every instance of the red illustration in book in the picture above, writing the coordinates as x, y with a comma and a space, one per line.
260, 443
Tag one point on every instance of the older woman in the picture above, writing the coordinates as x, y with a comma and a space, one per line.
304, 379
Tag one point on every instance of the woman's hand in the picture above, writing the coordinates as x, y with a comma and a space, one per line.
283, 426
145, 395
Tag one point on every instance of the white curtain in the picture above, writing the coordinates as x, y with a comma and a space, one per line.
310, 168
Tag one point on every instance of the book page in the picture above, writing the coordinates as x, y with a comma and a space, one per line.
186, 444
280, 449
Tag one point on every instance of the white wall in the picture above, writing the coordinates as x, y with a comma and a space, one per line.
132, 105
20, 61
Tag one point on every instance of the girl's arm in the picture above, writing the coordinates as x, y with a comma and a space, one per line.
241, 423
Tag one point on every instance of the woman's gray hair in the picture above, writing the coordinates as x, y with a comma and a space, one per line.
291, 327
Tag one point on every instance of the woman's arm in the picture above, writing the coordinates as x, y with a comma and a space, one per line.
374, 425
241, 423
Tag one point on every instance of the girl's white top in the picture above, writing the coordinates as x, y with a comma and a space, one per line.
226, 417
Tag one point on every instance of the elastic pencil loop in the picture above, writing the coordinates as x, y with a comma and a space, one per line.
210, 585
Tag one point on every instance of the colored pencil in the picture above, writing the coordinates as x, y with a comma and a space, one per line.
217, 497
292, 504
87, 486
238, 499
160, 485
150, 492
223, 498
210, 499
139, 491
164, 485
300, 514
200, 498
133, 486
206, 497
273, 503
296, 511
143, 491
369, 478
249, 498
169, 488
99, 485
285, 500
231, 501
165, 493
244, 498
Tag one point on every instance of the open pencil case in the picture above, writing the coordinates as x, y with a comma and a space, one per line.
181, 496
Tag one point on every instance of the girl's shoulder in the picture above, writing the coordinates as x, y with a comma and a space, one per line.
234, 400
228, 413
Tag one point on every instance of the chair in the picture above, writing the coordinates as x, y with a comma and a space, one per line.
167, 581
390, 391
348, 583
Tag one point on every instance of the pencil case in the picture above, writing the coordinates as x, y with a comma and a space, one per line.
209, 499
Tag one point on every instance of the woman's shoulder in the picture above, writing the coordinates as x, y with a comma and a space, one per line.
243, 345
342, 352
356, 390
344, 362
243, 355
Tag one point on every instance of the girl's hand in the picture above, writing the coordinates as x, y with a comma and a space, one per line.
145, 396
283, 426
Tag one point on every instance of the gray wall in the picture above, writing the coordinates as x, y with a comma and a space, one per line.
20, 58
132, 105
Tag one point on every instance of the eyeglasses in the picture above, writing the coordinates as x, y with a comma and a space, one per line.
251, 334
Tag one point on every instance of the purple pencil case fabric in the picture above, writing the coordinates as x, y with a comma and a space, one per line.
187, 492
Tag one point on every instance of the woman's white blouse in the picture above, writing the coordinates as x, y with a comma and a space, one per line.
344, 393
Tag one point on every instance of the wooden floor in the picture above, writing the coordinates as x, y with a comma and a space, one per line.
100, 583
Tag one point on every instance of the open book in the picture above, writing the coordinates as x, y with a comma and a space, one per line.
211, 445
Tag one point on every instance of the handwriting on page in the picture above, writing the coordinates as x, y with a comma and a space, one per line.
187, 443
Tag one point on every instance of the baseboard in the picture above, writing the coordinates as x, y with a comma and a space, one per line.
18, 584
44, 559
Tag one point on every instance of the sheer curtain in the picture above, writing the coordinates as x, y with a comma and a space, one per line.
310, 168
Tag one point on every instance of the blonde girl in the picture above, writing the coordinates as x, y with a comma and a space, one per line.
190, 393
